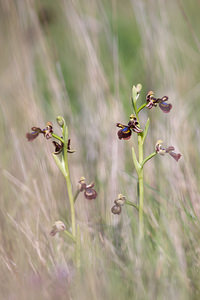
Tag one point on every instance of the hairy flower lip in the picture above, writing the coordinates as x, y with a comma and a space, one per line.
124, 132
116, 209
90, 193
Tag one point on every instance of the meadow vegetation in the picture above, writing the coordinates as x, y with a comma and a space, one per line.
80, 59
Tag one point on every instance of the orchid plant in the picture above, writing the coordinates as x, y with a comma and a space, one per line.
60, 155
125, 133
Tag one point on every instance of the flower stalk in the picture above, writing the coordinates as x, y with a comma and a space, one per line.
125, 134
68, 180
141, 186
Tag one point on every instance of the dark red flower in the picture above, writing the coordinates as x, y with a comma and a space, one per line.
59, 147
89, 192
47, 132
119, 202
126, 130
152, 102
170, 149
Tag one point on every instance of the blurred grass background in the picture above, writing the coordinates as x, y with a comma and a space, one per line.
80, 59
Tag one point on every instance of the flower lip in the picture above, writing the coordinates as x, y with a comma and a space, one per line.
90, 193
116, 209
124, 132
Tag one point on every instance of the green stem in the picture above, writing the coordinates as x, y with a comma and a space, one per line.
57, 137
131, 204
141, 107
141, 186
70, 236
148, 158
78, 247
68, 181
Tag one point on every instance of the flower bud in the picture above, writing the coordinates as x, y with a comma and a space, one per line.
138, 88
60, 121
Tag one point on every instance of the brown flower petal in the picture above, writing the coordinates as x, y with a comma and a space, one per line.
58, 147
